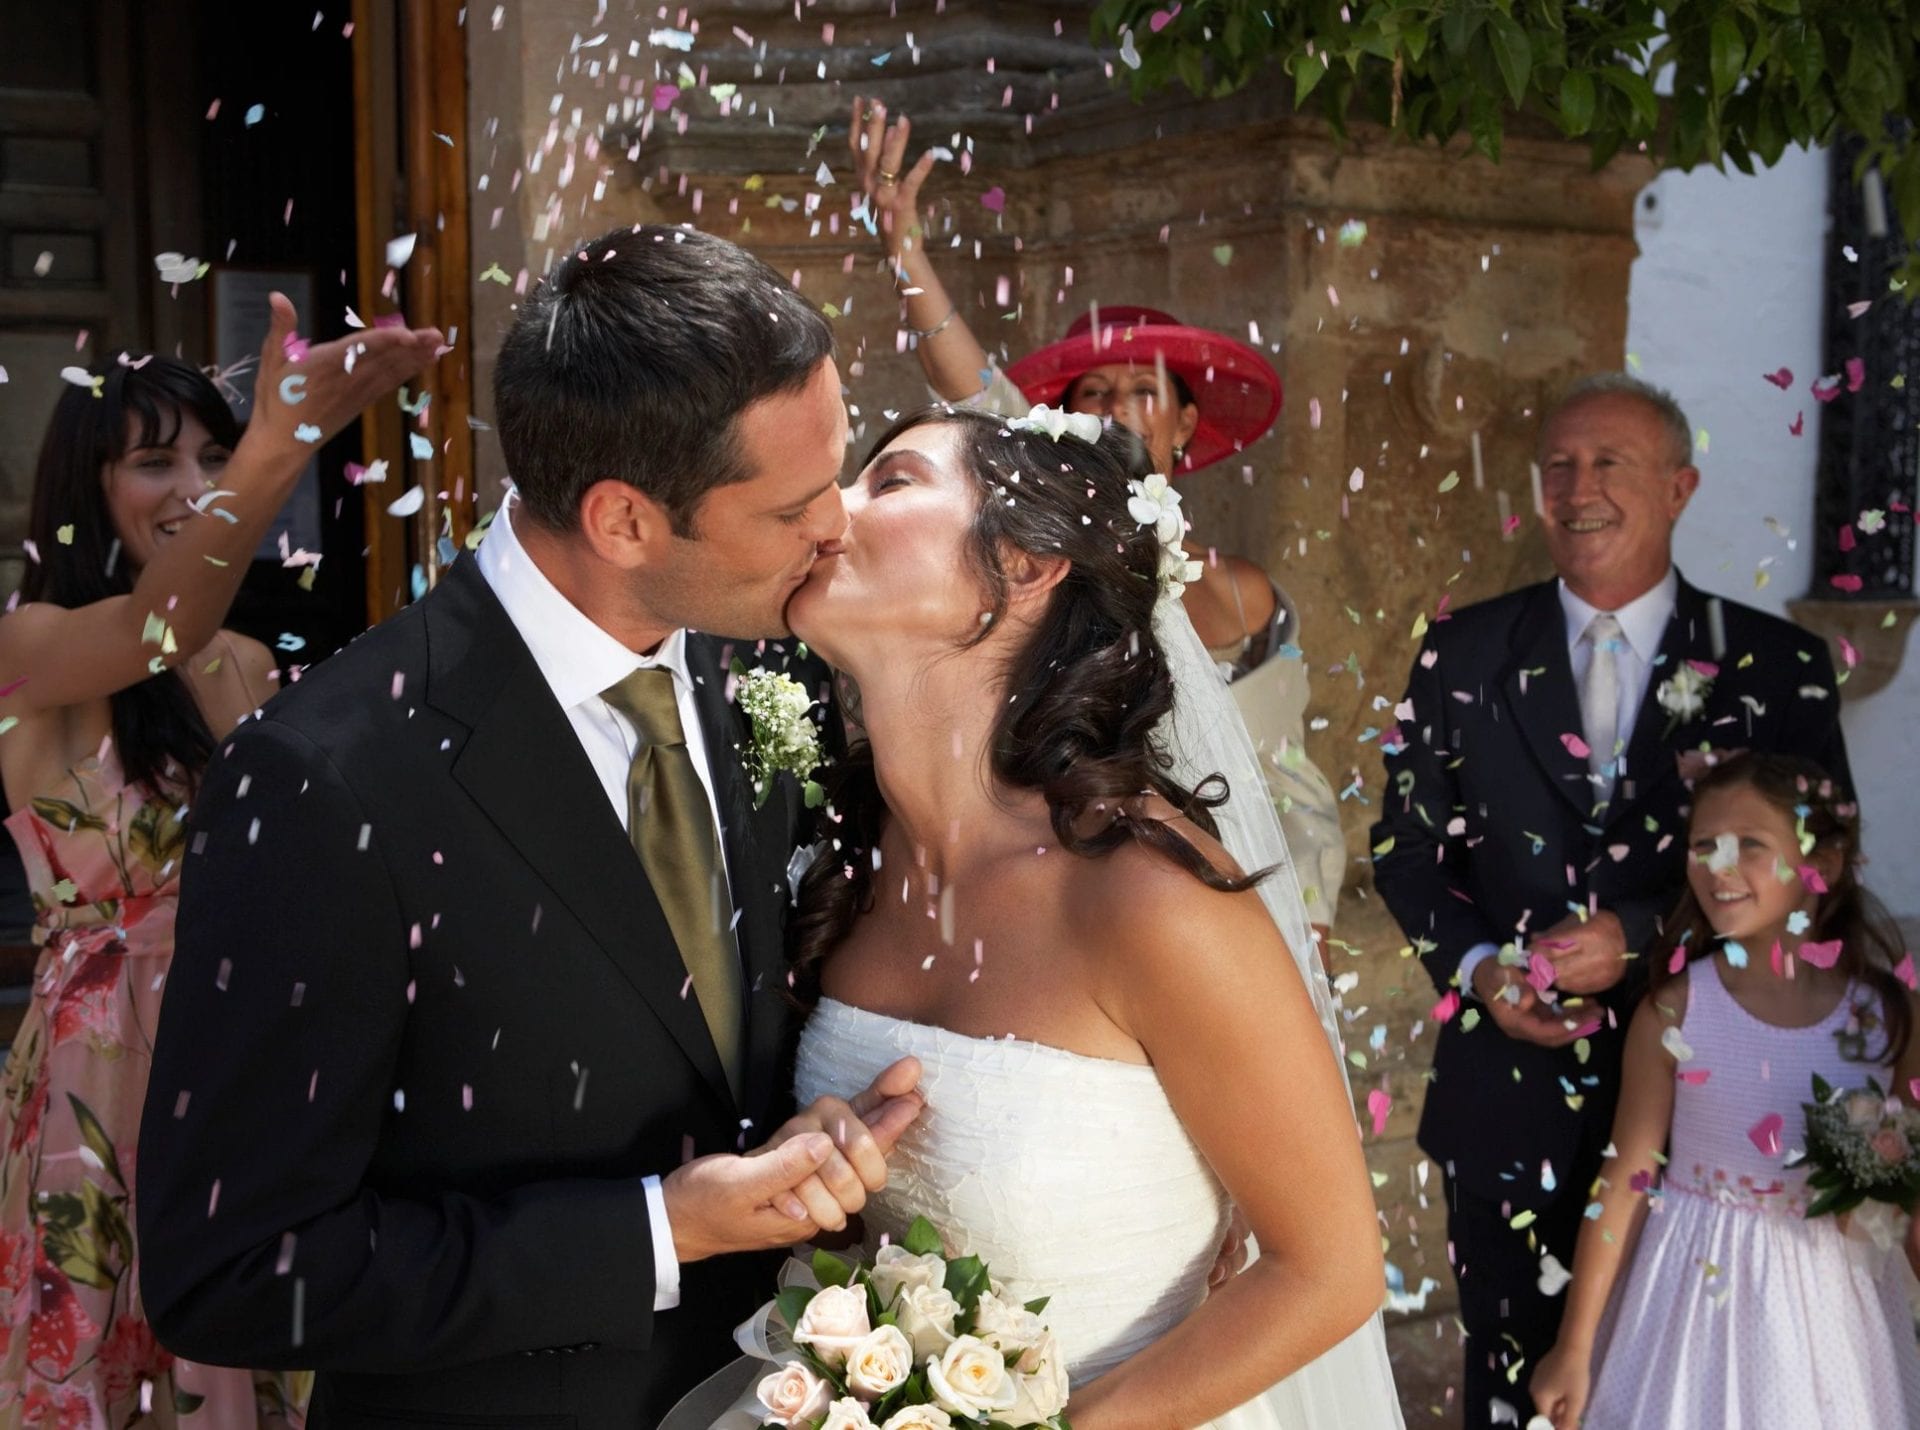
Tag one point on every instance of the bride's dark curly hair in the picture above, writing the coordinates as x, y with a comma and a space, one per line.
1082, 695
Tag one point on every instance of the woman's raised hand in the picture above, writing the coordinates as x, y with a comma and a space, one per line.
303, 397
879, 155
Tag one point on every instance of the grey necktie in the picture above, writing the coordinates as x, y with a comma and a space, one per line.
1600, 699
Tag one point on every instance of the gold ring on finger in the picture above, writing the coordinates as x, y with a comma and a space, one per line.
887, 178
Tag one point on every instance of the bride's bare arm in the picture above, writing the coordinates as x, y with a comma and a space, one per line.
1205, 983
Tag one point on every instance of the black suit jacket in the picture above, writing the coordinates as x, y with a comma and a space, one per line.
427, 1029
1488, 829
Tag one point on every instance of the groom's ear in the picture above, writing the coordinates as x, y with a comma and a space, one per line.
622, 524
1031, 577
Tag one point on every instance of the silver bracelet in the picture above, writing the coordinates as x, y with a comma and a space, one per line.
922, 334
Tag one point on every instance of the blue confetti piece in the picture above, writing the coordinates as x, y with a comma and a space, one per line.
421, 448
1289, 651
881, 58
288, 641
256, 114
1736, 953
418, 583
307, 432
1798, 922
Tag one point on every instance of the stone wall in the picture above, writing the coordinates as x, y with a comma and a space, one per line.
1471, 295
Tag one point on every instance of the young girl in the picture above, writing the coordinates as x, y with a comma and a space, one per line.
1737, 1310
116, 680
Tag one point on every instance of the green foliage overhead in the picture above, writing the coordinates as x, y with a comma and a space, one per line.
1747, 77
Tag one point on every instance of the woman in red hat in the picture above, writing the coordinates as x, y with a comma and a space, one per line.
1193, 396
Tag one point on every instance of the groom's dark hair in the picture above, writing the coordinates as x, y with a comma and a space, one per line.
634, 359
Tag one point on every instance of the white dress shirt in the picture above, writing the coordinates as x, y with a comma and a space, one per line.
579, 660
1643, 625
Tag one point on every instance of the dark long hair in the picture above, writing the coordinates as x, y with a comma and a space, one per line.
1870, 943
1081, 697
158, 732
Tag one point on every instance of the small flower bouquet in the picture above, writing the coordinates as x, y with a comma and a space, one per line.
784, 738
1863, 1146
914, 1341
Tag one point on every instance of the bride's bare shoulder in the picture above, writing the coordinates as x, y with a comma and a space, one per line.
1152, 912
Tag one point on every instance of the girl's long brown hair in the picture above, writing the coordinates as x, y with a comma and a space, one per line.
1870, 943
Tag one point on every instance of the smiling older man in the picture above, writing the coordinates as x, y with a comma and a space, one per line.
1532, 839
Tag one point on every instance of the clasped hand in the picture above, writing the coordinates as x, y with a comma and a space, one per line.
810, 1176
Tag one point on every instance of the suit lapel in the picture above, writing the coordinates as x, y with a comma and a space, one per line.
1543, 702
523, 765
1652, 754
756, 844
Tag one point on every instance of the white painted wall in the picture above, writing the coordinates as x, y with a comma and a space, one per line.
1728, 286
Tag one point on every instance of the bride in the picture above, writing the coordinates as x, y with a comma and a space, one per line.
1027, 892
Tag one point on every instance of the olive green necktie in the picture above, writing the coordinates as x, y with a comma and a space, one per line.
671, 826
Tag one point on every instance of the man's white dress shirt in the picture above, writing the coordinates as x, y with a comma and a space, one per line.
579, 660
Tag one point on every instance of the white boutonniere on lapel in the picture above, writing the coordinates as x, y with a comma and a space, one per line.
784, 740
1683, 695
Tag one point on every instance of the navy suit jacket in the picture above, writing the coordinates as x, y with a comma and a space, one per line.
1488, 829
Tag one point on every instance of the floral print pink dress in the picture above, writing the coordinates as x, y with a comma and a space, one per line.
103, 861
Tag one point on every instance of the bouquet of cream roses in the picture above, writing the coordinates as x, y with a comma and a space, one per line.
1863, 1146
914, 1341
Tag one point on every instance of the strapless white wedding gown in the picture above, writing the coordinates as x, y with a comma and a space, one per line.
1072, 1178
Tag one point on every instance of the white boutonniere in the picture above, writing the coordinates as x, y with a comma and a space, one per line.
1683, 695
784, 739
1054, 423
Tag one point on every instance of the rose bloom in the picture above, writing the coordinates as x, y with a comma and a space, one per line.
895, 1269
1040, 1384
834, 1322
880, 1363
1007, 1326
846, 1413
1892, 1146
794, 1395
927, 1314
970, 1378
919, 1417
1863, 1111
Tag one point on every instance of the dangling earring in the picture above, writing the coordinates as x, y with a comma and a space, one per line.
1179, 453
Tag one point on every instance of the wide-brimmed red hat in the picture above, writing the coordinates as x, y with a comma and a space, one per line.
1233, 385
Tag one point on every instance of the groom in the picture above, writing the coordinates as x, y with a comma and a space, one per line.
479, 995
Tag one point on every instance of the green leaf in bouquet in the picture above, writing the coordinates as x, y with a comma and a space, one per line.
922, 1240
967, 1282
830, 1270
1822, 1089
1036, 1307
792, 1304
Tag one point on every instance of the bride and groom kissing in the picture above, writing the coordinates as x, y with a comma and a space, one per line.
475, 1084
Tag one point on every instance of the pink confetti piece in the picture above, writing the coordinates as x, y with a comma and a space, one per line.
1903, 970
994, 200
296, 348
663, 97
1378, 1106
1540, 972
1704, 667
1799, 424
1449, 1004
1847, 581
1783, 379
1160, 19
1845, 538
1810, 877
1825, 389
1848, 653
1765, 1134
1640, 1183
1856, 374
1576, 746
1693, 1077
1821, 955
1676, 960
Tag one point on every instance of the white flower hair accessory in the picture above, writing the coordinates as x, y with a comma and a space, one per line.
1054, 423
1156, 504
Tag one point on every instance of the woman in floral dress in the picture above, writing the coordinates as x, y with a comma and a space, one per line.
116, 680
